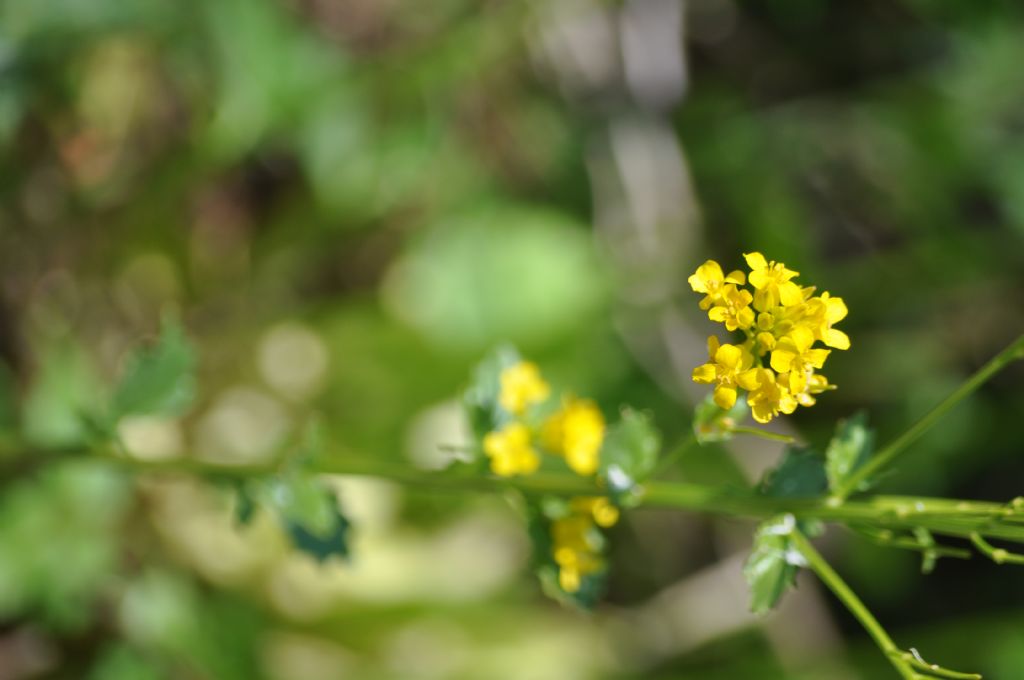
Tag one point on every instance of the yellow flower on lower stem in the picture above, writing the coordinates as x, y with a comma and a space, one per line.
576, 549
511, 451
576, 432
730, 368
522, 385
710, 279
605, 514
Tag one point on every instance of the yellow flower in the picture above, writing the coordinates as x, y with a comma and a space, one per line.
769, 398
600, 508
522, 385
772, 282
576, 432
821, 313
709, 279
793, 355
576, 549
510, 451
729, 368
733, 308
815, 384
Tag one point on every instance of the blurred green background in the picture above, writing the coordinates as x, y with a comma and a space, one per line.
348, 202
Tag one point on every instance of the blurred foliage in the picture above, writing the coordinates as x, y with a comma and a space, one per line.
346, 204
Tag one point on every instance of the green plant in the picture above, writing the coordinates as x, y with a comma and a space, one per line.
575, 473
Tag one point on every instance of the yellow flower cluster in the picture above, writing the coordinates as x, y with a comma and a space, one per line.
776, 363
574, 432
577, 542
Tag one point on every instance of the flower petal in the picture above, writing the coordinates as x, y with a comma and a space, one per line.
745, 318
759, 279
718, 314
737, 277
713, 345
802, 338
835, 308
749, 380
837, 339
762, 412
729, 356
725, 397
708, 275
789, 293
767, 340
755, 260
782, 360
704, 374
816, 357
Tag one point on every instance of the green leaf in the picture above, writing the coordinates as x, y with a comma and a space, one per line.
773, 563
323, 544
851, 447
712, 423
310, 514
630, 451
801, 473
481, 397
62, 394
158, 380
307, 509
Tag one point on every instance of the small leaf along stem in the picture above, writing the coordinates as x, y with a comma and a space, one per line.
885, 457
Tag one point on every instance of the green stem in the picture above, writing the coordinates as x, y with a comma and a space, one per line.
948, 517
678, 452
935, 671
887, 455
839, 588
763, 434
997, 555
940, 516
888, 539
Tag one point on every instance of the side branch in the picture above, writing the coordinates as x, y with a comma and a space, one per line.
887, 455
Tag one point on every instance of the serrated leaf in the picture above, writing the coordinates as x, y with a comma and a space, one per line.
630, 451
481, 397
302, 499
800, 473
771, 568
310, 514
323, 544
850, 447
158, 380
712, 423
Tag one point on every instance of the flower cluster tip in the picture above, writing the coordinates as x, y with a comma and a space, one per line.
776, 362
